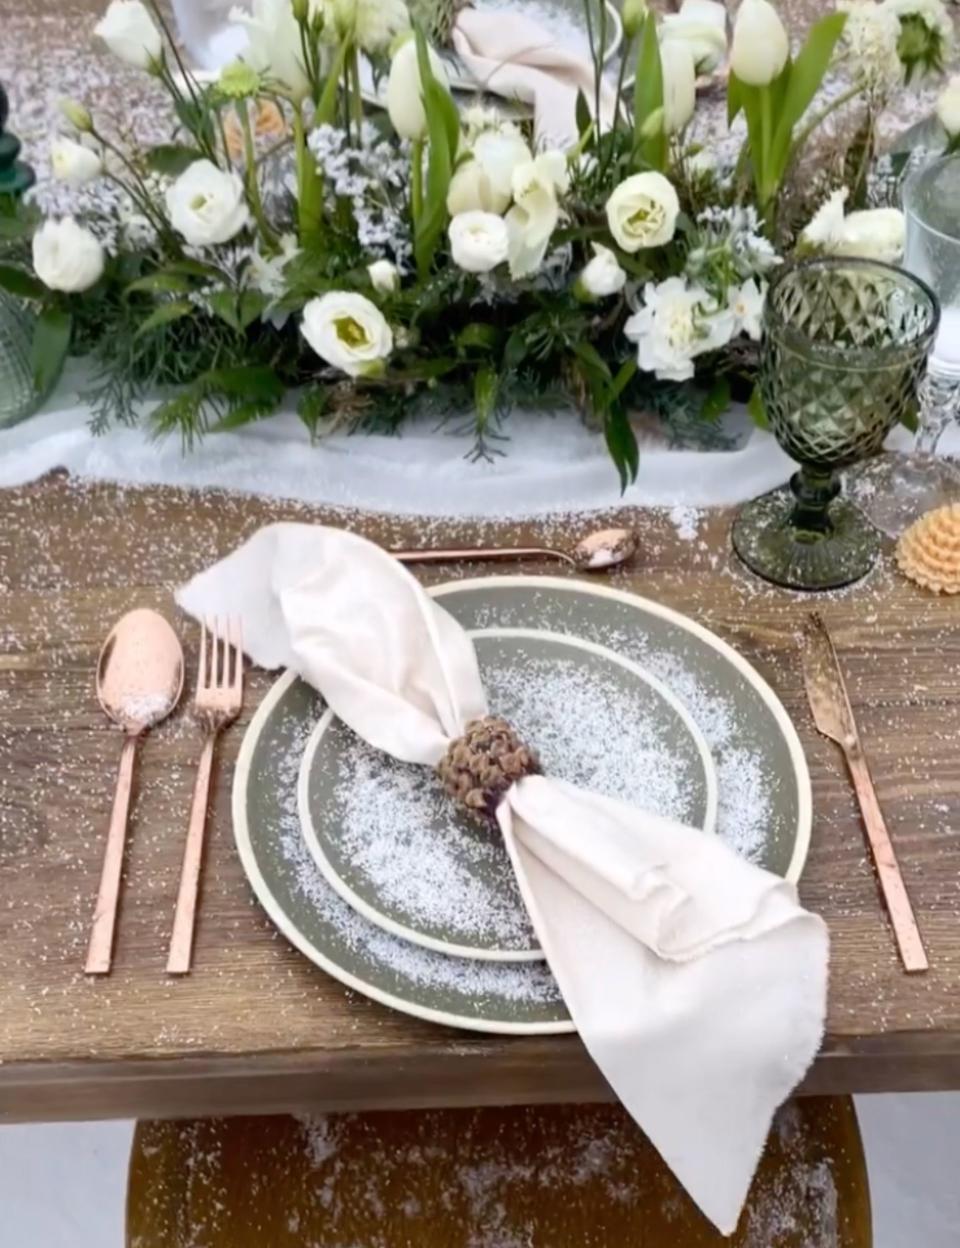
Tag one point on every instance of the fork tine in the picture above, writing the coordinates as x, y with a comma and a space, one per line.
237, 632
224, 653
202, 668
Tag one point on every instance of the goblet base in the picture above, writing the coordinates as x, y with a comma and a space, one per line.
775, 548
894, 490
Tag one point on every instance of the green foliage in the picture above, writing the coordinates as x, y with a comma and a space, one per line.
220, 399
51, 341
17, 281
443, 132
650, 141
171, 159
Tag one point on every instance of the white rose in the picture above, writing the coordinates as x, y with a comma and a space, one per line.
642, 211
679, 85
760, 43
73, 163
536, 210
349, 332
602, 276
384, 276
948, 106
702, 26
129, 32
746, 303
677, 323
485, 183
478, 241
206, 204
274, 47
66, 256
876, 233
405, 90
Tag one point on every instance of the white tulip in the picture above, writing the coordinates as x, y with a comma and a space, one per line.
948, 106
384, 276
760, 43
876, 233
536, 210
478, 241
274, 46
677, 323
206, 205
485, 183
602, 276
66, 256
679, 85
349, 332
73, 163
642, 211
702, 26
405, 90
129, 32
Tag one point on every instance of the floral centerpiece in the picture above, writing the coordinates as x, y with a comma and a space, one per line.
377, 252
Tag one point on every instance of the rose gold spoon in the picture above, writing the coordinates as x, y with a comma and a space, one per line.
606, 548
139, 682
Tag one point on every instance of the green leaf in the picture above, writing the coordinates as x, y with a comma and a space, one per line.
51, 341
594, 361
164, 315
515, 351
242, 413
16, 227
246, 381
622, 445
478, 336
734, 97
171, 159
19, 282
194, 268
250, 305
223, 303
584, 119
806, 75
716, 400
312, 407
160, 283
486, 384
757, 410
626, 374
443, 133
648, 98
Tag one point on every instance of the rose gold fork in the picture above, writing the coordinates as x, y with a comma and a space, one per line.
218, 701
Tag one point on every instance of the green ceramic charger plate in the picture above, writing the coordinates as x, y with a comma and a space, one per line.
764, 798
390, 842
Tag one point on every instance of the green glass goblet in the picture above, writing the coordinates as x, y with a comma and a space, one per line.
844, 346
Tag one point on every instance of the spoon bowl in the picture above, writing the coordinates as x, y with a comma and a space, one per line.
606, 548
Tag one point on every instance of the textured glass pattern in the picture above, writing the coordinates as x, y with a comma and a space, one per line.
18, 396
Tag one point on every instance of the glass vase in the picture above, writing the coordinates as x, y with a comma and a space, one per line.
19, 396
844, 347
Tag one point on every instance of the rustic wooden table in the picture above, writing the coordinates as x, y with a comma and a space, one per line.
258, 1028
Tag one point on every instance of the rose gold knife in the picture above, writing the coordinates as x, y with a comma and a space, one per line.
833, 716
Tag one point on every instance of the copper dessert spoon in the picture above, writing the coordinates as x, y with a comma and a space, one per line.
597, 552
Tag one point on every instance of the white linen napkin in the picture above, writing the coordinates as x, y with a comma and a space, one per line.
696, 981
519, 59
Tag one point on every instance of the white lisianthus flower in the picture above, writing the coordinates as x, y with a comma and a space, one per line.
485, 183
873, 233
870, 38
760, 43
536, 210
207, 205
478, 241
948, 106
679, 85
349, 332
274, 47
74, 163
702, 26
676, 324
746, 304
642, 211
926, 36
129, 32
405, 90
384, 276
66, 256
602, 276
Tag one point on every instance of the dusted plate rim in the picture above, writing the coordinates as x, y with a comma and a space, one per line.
479, 953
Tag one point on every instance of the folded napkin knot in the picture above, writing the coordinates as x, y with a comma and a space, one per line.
479, 767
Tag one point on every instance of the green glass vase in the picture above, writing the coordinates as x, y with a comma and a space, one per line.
19, 396
844, 346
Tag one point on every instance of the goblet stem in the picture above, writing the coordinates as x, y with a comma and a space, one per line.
939, 397
814, 489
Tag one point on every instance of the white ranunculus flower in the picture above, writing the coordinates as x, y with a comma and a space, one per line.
760, 43
485, 183
74, 163
676, 324
478, 241
274, 47
602, 275
129, 32
384, 276
926, 38
349, 332
66, 256
536, 210
679, 85
405, 90
746, 304
642, 211
702, 26
948, 106
207, 205
870, 38
876, 233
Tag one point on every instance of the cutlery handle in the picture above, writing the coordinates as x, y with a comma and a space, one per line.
100, 949
184, 921
905, 929
481, 554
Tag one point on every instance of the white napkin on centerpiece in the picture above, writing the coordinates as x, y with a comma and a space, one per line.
512, 56
695, 980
